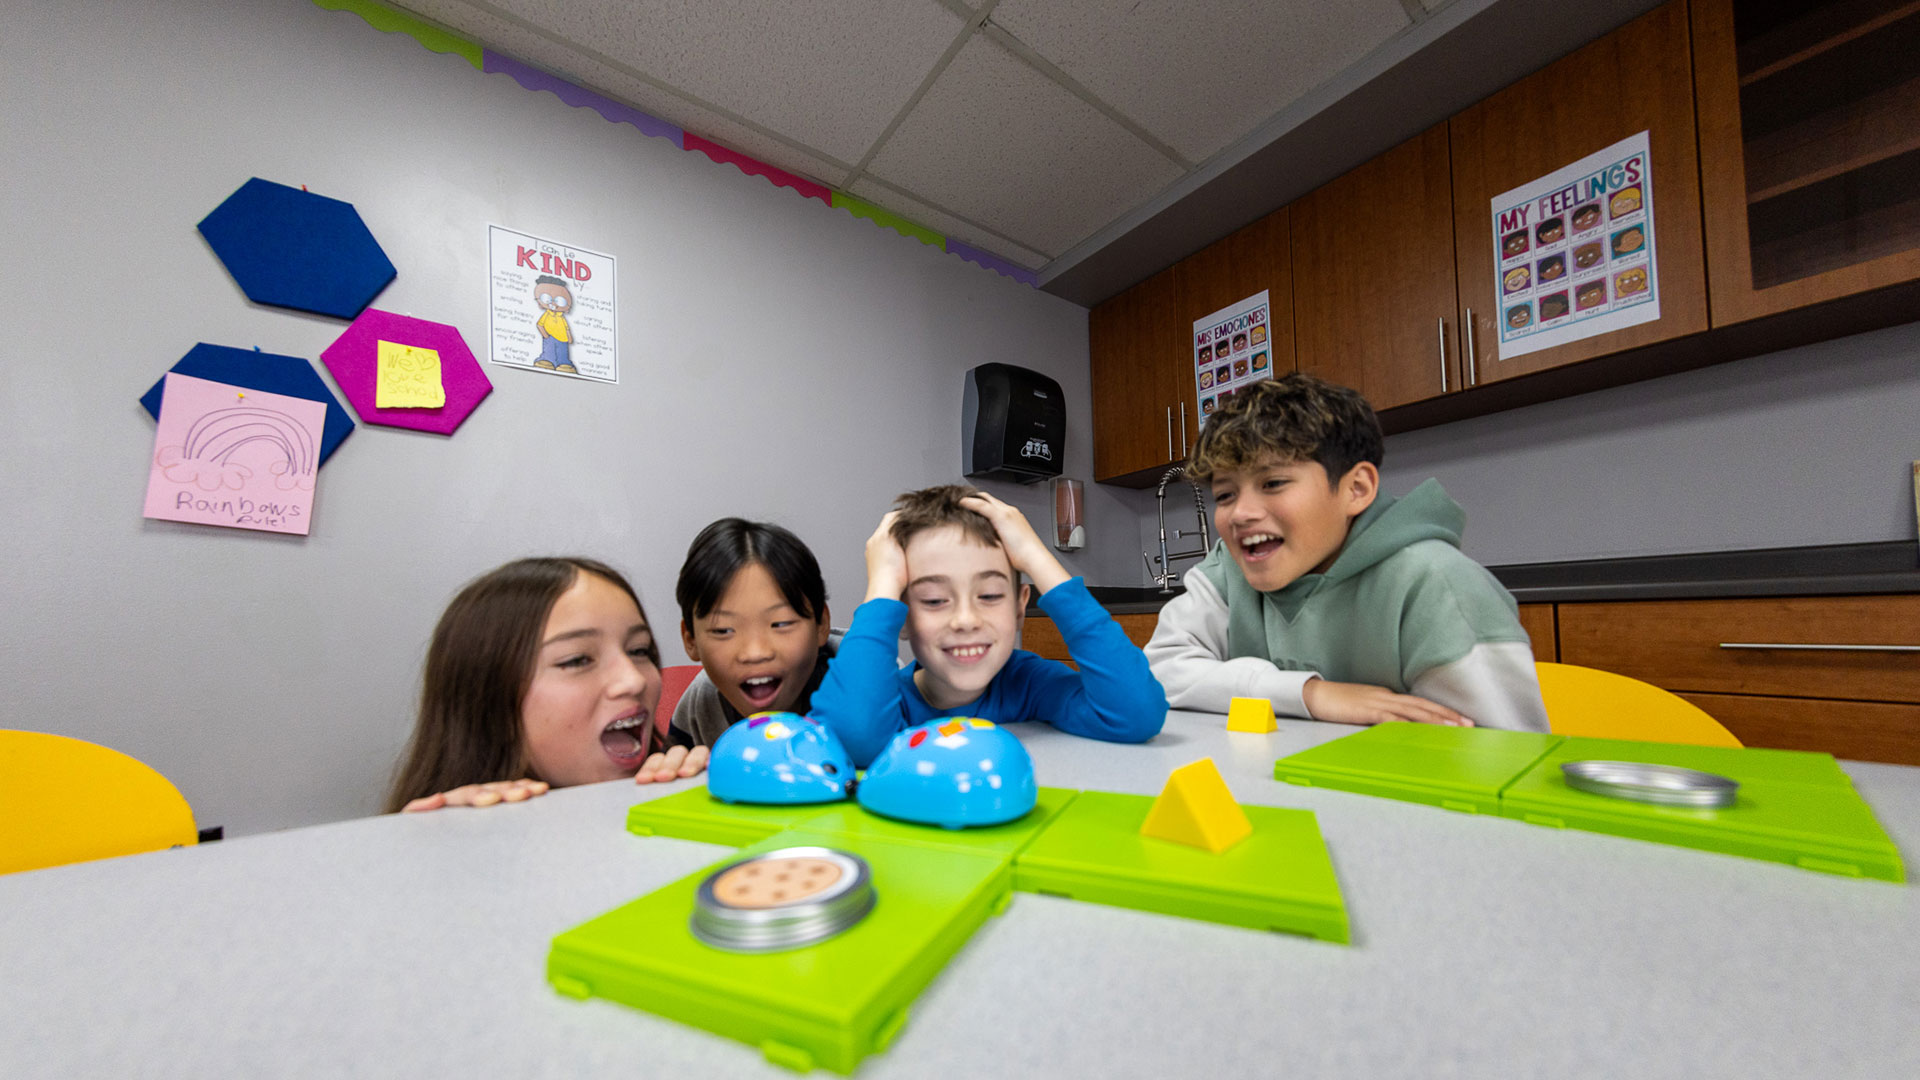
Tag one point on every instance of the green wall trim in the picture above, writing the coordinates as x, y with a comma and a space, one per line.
381, 17
886, 219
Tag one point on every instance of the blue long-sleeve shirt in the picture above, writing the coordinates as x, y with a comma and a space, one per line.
867, 698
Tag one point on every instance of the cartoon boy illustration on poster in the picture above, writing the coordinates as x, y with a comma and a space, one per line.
556, 336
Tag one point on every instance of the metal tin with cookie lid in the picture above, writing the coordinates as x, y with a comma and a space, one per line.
1662, 785
782, 899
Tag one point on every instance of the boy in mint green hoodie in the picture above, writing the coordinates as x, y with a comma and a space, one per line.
1326, 597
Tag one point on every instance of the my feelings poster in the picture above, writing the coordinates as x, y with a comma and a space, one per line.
1232, 350
1574, 251
225, 455
551, 306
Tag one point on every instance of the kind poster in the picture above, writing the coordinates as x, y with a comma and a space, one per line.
242, 459
1232, 350
1574, 251
551, 306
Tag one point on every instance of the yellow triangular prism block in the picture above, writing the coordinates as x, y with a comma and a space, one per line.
1251, 714
1196, 808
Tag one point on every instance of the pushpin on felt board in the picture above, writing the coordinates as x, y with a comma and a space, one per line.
1195, 808
1251, 714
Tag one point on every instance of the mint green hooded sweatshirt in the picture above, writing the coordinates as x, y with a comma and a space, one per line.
1399, 600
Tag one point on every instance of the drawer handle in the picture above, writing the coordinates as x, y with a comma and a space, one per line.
1819, 648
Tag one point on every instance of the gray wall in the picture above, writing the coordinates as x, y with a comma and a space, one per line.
1803, 447
779, 360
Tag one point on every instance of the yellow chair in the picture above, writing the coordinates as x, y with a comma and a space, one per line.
1587, 701
64, 800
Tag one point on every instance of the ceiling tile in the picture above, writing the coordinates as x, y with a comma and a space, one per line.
830, 75
940, 221
996, 141
1199, 74
523, 44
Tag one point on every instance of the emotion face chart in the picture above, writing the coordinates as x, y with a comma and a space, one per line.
551, 307
1230, 351
1574, 251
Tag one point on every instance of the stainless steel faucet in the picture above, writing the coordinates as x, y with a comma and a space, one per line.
1168, 576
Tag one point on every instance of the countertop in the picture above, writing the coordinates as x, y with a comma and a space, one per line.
1836, 570
414, 945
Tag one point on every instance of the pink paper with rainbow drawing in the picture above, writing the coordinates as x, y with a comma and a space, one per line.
238, 458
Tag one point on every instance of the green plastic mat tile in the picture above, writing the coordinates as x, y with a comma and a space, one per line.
1455, 768
827, 1005
695, 815
1793, 807
852, 820
1279, 878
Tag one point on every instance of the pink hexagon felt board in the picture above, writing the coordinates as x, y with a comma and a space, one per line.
387, 354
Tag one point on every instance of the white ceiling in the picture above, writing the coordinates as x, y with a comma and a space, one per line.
1022, 127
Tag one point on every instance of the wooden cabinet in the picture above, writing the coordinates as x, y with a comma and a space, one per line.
1373, 276
1809, 149
1042, 637
1813, 673
1228, 271
1146, 408
1537, 621
1135, 342
1638, 78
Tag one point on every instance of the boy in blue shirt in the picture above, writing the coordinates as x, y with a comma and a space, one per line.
942, 571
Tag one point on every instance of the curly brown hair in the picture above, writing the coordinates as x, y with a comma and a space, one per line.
1294, 418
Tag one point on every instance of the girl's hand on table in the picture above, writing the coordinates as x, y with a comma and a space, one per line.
677, 763
487, 794
1359, 703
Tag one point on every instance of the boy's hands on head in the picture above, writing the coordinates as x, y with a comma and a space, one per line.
676, 763
886, 562
1025, 550
1359, 703
498, 791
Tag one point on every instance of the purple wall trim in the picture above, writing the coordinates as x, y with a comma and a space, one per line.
991, 262
535, 79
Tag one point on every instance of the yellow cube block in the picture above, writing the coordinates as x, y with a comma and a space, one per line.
1195, 808
1251, 714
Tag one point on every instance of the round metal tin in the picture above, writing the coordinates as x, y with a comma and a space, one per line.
782, 899
1664, 785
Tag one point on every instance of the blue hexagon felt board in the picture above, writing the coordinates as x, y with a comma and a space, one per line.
267, 372
292, 248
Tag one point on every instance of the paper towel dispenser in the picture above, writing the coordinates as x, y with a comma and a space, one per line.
1014, 425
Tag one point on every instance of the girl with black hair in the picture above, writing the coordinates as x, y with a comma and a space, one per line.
753, 614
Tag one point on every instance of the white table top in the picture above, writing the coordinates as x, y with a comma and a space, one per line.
415, 947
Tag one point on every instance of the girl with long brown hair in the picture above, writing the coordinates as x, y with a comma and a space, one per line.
541, 673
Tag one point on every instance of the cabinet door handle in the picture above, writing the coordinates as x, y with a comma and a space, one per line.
1473, 361
1169, 433
1185, 448
1799, 647
1443, 354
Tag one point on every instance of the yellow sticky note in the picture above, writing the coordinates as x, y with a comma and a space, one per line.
409, 378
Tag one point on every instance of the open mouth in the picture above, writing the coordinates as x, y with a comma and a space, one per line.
761, 690
965, 654
627, 739
1259, 546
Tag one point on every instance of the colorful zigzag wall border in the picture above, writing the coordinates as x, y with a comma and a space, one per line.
485, 60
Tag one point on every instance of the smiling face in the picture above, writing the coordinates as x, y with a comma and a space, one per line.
1282, 520
588, 712
759, 652
553, 298
963, 614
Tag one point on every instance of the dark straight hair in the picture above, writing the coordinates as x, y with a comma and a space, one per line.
478, 669
723, 548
